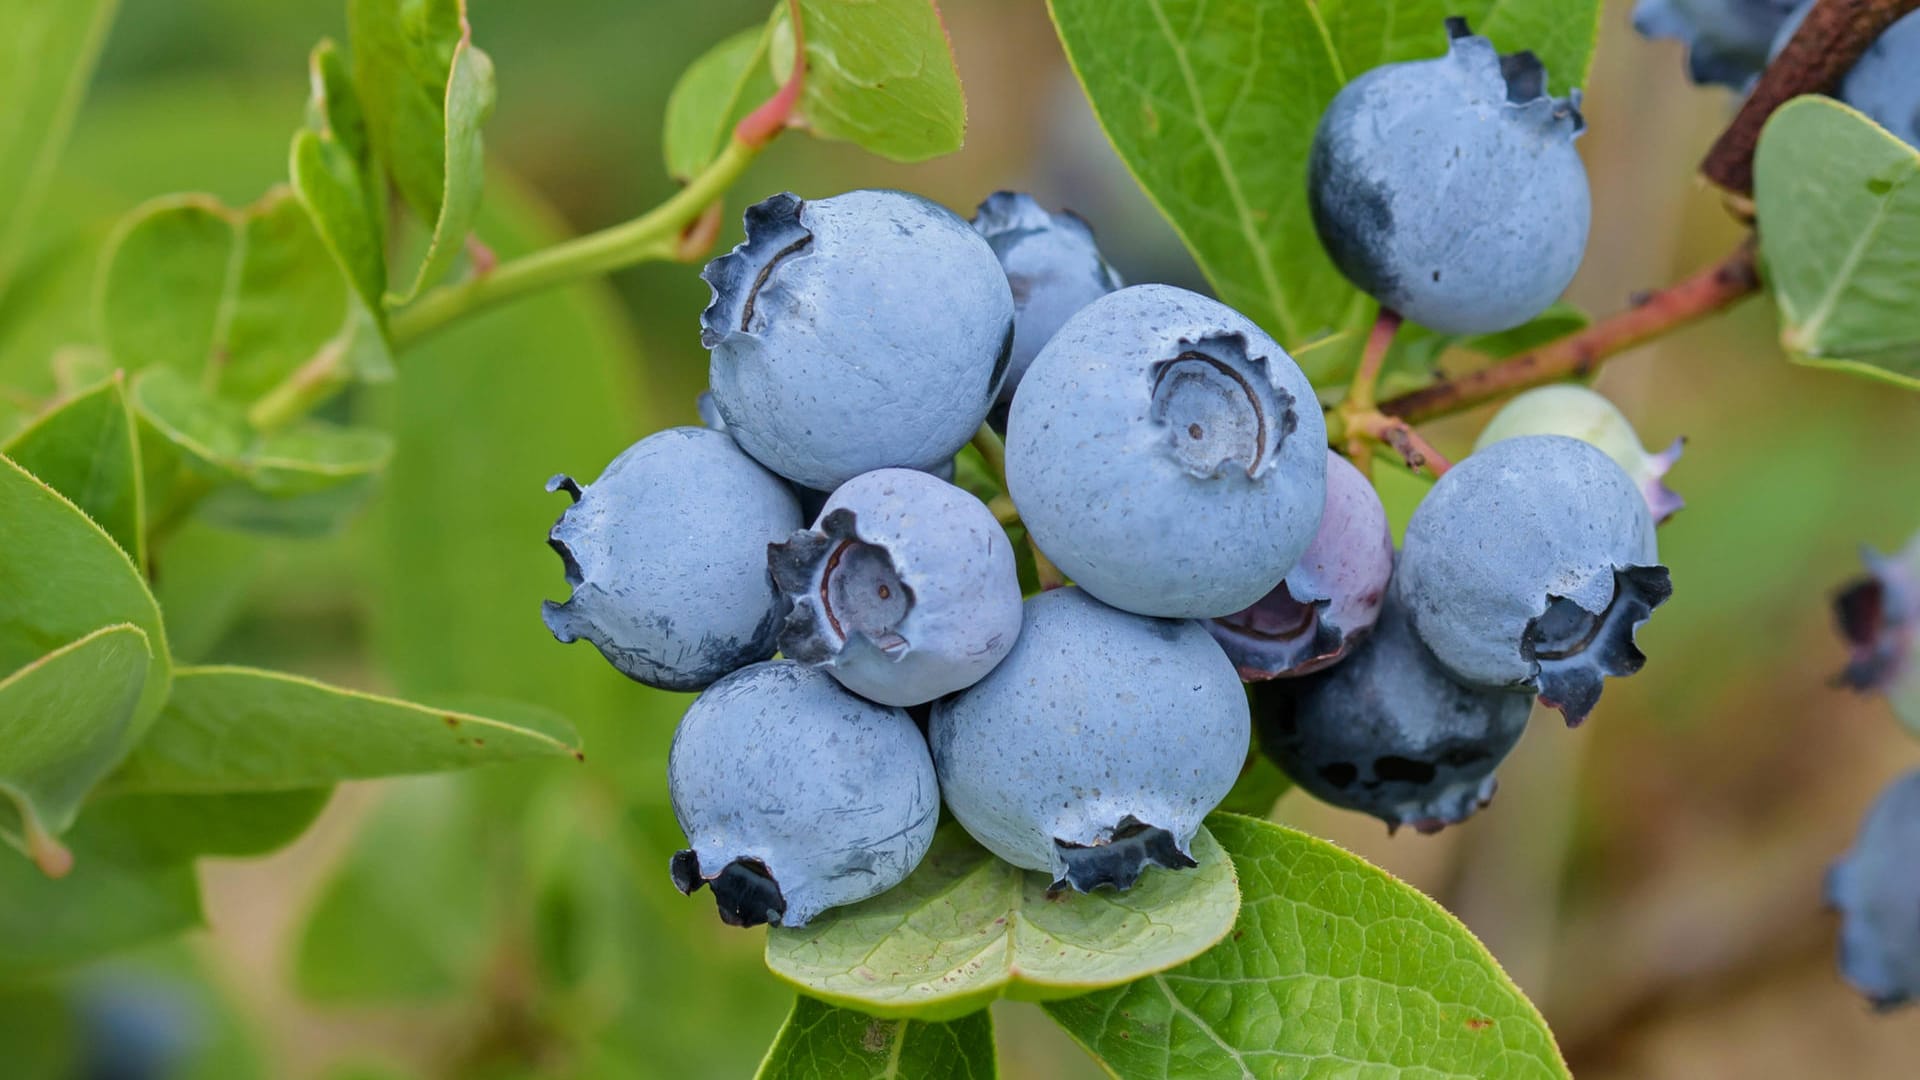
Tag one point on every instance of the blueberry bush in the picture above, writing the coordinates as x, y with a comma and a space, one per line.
1016, 589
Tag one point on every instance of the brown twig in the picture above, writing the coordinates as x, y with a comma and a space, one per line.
1396, 433
1712, 289
1833, 36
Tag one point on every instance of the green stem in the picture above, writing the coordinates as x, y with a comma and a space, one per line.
653, 235
993, 452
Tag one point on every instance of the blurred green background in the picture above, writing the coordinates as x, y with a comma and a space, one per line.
1652, 880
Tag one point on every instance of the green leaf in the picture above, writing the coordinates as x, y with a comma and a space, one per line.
1333, 968
1839, 218
63, 727
967, 928
61, 578
114, 899
715, 91
301, 479
409, 914
86, 449
820, 1040
426, 91
1213, 106
1400, 490
168, 829
333, 176
236, 729
233, 300
51, 48
880, 73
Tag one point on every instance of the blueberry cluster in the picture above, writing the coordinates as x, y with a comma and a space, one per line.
1162, 452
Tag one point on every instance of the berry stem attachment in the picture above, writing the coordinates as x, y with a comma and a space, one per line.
1413, 448
993, 451
1366, 378
1712, 289
1359, 403
1003, 510
1834, 35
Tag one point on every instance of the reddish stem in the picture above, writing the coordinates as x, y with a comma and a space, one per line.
1712, 289
757, 128
1833, 36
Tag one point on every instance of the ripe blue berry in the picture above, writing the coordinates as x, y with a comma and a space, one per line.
904, 590
1388, 732
1053, 266
666, 553
1330, 598
1883, 83
1878, 616
1449, 190
797, 796
1167, 455
866, 331
1097, 746
1876, 890
1726, 39
1579, 413
1530, 564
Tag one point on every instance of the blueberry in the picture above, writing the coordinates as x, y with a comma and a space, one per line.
1882, 83
1330, 598
1167, 455
866, 331
1389, 733
1098, 744
1449, 190
904, 590
1530, 564
666, 553
1726, 39
1878, 615
709, 412
797, 796
136, 1026
1577, 412
1876, 890
1053, 265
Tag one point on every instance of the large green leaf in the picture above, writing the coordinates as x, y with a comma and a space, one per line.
61, 578
1334, 968
711, 97
1212, 106
86, 449
821, 1040
46, 60
237, 729
967, 928
426, 91
332, 171
880, 73
234, 300
63, 727
1838, 201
